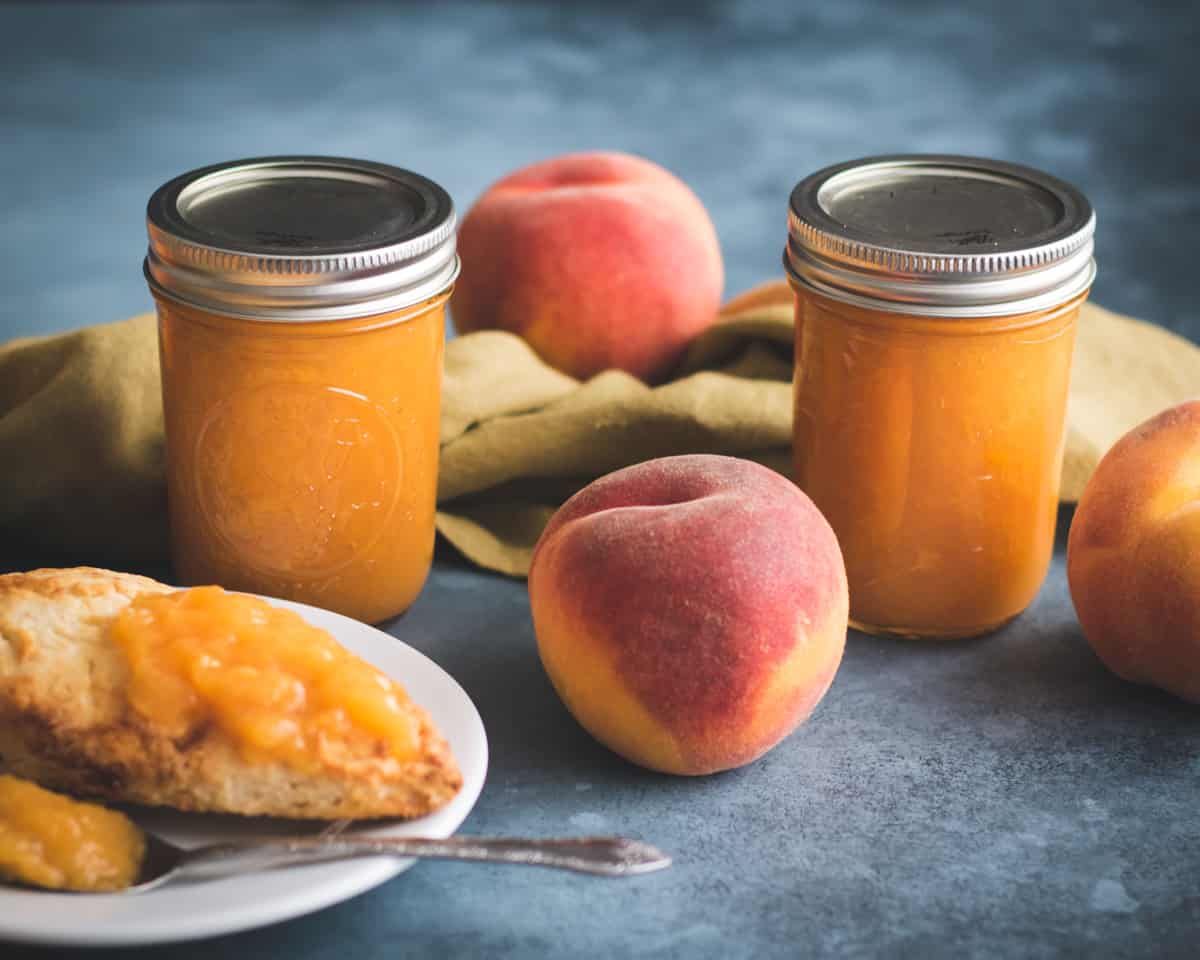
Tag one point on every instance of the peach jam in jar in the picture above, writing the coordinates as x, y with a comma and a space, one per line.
936, 301
301, 307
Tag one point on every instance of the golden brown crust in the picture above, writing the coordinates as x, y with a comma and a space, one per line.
65, 723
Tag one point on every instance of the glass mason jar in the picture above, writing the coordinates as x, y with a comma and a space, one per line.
936, 301
301, 305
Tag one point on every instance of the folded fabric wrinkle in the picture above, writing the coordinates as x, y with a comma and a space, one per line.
81, 447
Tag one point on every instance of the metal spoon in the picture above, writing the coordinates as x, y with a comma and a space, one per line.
609, 856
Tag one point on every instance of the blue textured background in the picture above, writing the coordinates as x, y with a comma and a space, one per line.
100, 104
1003, 797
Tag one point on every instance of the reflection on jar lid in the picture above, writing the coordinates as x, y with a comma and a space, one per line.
300, 239
947, 236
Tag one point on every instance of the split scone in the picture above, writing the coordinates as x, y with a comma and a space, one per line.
120, 688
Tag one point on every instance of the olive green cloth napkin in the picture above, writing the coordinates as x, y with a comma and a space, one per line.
81, 427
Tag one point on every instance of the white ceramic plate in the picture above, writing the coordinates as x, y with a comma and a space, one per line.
191, 910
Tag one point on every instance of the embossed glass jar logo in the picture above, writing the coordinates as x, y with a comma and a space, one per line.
307, 502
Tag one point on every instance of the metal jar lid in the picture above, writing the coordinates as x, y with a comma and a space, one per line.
300, 239
947, 236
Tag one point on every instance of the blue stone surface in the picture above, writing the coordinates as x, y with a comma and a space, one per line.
1001, 797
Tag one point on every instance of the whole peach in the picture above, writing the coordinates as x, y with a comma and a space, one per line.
1133, 557
598, 260
690, 611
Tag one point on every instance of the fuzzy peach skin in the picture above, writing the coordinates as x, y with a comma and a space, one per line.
1132, 554
598, 260
690, 611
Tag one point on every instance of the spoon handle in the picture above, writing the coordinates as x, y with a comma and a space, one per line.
609, 856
